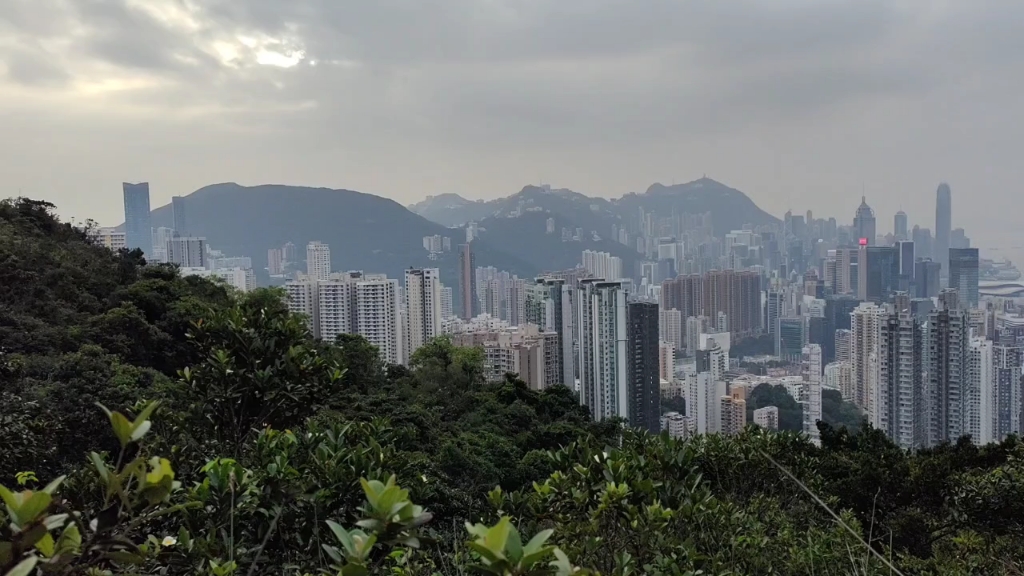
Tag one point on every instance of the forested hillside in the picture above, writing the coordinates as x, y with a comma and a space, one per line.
153, 424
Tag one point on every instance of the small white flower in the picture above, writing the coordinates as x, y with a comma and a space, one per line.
169, 541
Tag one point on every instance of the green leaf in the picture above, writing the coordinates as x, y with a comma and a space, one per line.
101, 468
122, 428
52, 486
514, 545
140, 430
32, 507
144, 415
497, 535
70, 540
25, 567
46, 546
485, 552
537, 541
343, 537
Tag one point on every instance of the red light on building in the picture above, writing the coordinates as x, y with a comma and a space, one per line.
863, 241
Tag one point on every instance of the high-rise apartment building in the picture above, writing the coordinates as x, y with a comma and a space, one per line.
602, 354
550, 304
644, 395
865, 332
602, 265
423, 308
447, 303
671, 328
943, 226
980, 397
187, 252
304, 298
899, 398
318, 260
734, 415
736, 295
666, 360
703, 402
178, 209
275, 262
468, 306
683, 293
767, 417
963, 274
839, 376
1007, 363
138, 227
337, 305
947, 369
846, 270
810, 393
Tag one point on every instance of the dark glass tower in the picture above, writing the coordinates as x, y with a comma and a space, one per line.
138, 228
178, 207
943, 226
642, 366
963, 273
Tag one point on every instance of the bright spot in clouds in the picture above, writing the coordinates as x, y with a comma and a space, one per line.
273, 58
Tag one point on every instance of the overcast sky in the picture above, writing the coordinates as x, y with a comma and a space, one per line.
802, 104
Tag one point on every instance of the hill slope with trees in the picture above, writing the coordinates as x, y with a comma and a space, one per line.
231, 442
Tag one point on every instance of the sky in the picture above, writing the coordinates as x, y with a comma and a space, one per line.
802, 104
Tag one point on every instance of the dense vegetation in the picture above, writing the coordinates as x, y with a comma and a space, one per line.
236, 444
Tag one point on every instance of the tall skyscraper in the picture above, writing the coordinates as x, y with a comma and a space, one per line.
963, 274
789, 339
922, 238
864, 222
550, 304
810, 392
467, 282
318, 260
1007, 363
602, 354
980, 398
187, 252
878, 268
899, 228
447, 303
178, 208
138, 227
926, 278
643, 366
905, 251
423, 308
947, 369
943, 226
865, 334
376, 316
899, 397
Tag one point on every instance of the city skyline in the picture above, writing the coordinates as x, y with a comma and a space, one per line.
816, 103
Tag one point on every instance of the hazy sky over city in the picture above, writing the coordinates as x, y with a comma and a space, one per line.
799, 103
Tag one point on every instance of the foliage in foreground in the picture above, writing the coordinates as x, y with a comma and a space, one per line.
236, 444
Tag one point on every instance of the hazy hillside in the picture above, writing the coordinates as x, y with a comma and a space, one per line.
365, 232
730, 209
451, 209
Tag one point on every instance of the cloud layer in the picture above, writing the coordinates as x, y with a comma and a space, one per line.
801, 103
